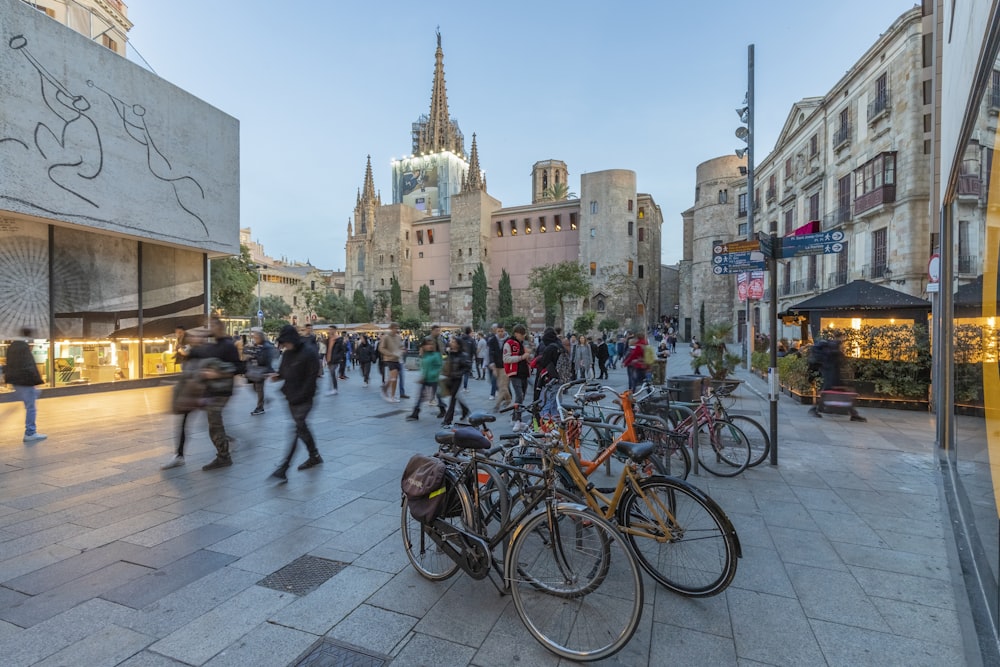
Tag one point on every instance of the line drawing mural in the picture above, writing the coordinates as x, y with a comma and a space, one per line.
134, 122
73, 153
75, 150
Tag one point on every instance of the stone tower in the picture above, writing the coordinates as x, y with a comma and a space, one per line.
438, 132
545, 174
360, 235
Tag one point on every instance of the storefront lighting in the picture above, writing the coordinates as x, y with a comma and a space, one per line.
856, 323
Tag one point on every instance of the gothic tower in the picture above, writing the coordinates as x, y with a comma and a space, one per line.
360, 235
547, 174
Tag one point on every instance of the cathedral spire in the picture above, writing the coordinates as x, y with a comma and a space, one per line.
474, 178
368, 194
438, 132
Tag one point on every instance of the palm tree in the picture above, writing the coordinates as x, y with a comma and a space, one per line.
557, 192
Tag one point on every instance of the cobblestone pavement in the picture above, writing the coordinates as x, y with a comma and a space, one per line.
107, 560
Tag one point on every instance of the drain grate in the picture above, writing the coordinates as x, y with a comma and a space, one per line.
303, 575
330, 653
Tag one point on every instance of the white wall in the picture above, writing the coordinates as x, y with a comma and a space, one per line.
90, 139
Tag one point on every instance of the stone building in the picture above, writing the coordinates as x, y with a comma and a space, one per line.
103, 21
856, 159
442, 224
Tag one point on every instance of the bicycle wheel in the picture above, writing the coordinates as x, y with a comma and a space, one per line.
671, 454
425, 555
575, 582
681, 537
760, 441
724, 450
494, 500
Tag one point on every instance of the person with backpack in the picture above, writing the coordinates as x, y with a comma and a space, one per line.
259, 366
547, 378
336, 358
365, 353
515, 363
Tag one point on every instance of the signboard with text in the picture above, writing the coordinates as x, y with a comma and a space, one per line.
823, 243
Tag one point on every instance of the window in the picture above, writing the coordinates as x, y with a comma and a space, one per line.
641, 272
789, 221
557, 221
381, 260
470, 252
600, 305
430, 236
630, 205
46, 10
814, 145
844, 199
513, 227
631, 227
541, 224
432, 281
879, 253
407, 251
772, 187
723, 196
420, 255
593, 207
593, 268
407, 236
875, 182
742, 230
572, 221
640, 309
630, 267
842, 266
814, 206
527, 225
642, 234
843, 132
459, 277
312, 284
295, 299
107, 41
642, 212
741, 205
788, 168
392, 259
361, 260
420, 237
880, 102
966, 263
459, 252
786, 279
500, 228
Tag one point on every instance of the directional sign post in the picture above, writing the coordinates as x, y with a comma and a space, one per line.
822, 243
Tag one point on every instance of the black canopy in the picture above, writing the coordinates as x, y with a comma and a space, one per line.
860, 295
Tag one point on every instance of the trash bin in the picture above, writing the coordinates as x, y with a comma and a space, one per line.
687, 388
659, 371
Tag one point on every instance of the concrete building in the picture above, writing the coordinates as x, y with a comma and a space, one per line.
442, 224
116, 188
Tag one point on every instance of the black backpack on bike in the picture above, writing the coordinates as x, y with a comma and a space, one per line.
424, 487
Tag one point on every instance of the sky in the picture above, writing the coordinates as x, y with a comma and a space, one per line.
649, 85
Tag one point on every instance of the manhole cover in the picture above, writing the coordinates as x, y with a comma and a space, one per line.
331, 653
303, 575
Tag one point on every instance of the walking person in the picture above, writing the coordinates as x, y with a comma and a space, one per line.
365, 353
635, 362
584, 359
390, 348
218, 375
482, 356
494, 357
456, 368
22, 373
515, 363
602, 359
430, 373
336, 357
468, 341
299, 369
259, 366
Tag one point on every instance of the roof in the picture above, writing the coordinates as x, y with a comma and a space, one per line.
861, 295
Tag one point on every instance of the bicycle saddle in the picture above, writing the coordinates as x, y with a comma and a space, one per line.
593, 397
464, 437
478, 418
637, 451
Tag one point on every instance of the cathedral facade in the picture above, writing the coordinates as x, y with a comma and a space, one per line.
442, 223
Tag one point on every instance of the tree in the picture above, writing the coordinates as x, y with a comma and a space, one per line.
234, 280
334, 308
505, 302
608, 324
424, 302
395, 298
479, 297
557, 192
362, 311
557, 282
585, 323
381, 305
275, 308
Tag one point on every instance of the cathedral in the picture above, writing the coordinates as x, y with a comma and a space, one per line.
442, 224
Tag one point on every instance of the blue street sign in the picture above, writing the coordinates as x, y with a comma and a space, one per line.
260, 314
812, 244
724, 269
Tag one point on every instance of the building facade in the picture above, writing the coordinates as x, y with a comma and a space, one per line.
116, 189
442, 224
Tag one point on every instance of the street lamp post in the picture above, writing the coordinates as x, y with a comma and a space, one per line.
260, 312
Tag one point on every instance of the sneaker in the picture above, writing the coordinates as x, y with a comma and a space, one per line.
310, 462
343, 377
492, 397
445, 425
280, 473
218, 462
394, 400
175, 462
858, 418
257, 411
34, 437
387, 398
404, 396
332, 392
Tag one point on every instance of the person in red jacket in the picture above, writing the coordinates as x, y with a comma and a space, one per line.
635, 362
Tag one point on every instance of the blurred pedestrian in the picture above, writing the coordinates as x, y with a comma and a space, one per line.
259, 359
430, 373
456, 368
21, 372
299, 369
218, 377
391, 350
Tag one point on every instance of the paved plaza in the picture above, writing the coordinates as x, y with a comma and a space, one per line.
107, 560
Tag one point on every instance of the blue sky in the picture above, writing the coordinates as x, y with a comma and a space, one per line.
650, 86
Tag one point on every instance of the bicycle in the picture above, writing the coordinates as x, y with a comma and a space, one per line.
682, 538
760, 441
556, 555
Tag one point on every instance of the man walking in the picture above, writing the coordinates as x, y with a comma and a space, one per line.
494, 357
391, 348
260, 360
515, 362
219, 387
22, 373
336, 356
299, 369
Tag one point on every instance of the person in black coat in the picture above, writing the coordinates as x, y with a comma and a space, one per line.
601, 354
21, 372
299, 369
548, 355
218, 378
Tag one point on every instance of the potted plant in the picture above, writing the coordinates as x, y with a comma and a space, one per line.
716, 357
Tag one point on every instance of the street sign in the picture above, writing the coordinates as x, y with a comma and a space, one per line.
735, 246
725, 269
260, 314
822, 243
934, 268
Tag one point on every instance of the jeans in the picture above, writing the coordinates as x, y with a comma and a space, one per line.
517, 387
299, 413
493, 380
258, 387
27, 395
216, 428
503, 389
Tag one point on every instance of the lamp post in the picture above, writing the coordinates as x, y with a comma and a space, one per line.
260, 312
745, 134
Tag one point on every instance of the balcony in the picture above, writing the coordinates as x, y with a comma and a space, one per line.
841, 215
836, 278
968, 264
883, 195
842, 136
879, 107
771, 194
969, 185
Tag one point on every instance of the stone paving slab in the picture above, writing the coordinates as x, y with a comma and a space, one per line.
845, 557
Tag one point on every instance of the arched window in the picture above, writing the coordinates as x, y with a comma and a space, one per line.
600, 305
392, 259
630, 227
459, 252
545, 179
361, 260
